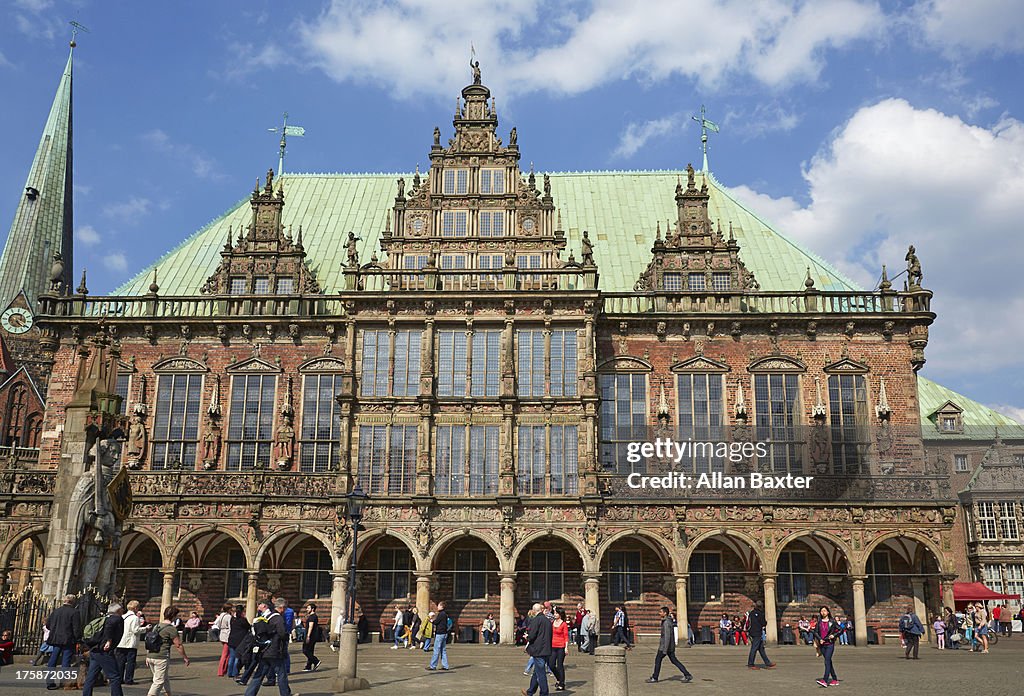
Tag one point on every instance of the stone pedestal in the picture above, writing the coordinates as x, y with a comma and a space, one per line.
347, 653
610, 676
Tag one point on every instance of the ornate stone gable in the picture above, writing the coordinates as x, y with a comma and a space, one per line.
264, 259
693, 256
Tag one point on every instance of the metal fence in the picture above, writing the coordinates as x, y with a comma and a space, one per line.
24, 614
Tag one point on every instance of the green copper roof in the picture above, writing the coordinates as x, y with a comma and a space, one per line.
620, 210
42, 222
980, 422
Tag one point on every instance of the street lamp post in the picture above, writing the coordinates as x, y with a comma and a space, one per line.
347, 650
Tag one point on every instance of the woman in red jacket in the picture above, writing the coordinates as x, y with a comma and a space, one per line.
559, 639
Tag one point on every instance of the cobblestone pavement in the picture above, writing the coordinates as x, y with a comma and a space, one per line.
492, 671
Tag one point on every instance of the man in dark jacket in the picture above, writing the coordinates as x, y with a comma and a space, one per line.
65, 630
440, 638
912, 629
667, 647
755, 626
273, 657
102, 653
260, 632
538, 646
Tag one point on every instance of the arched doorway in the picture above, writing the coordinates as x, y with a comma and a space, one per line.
901, 572
297, 567
140, 572
465, 574
24, 563
812, 570
723, 577
637, 575
548, 569
209, 571
386, 578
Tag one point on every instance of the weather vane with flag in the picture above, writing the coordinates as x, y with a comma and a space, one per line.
285, 130
705, 126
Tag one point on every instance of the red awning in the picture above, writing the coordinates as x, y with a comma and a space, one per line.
977, 592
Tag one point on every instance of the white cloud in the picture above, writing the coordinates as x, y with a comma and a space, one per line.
116, 261
766, 117
421, 46
972, 27
201, 165
129, 211
1014, 412
637, 135
4, 63
87, 235
894, 175
35, 20
245, 59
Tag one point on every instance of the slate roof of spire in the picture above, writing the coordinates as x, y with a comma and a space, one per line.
620, 209
43, 220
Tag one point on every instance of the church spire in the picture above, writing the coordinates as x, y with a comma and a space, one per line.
43, 223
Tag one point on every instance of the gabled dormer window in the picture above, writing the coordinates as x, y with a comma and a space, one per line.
492, 181
696, 282
285, 286
238, 286
453, 223
492, 223
261, 285
456, 181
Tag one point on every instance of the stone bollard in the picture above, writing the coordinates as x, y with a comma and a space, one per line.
346, 680
610, 671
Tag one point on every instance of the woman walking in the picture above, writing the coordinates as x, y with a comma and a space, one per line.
559, 640
238, 631
312, 625
223, 624
825, 634
158, 660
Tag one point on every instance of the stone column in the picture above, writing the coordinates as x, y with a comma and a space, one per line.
423, 594
860, 614
770, 616
947, 590
920, 608
682, 617
507, 611
251, 578
610, 673
165, 595
592, 597
339, 592
36, 581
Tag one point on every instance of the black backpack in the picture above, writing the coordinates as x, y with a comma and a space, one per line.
154, 640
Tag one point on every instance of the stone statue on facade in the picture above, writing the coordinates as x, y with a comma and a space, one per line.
914, 275
475, 65
513, 137
437, 137
57, 273
587, 250
135, 446
547, 186
401, 187
352, 250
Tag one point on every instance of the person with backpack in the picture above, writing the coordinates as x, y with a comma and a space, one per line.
158, 642
102, 644
588, 627
273, 656
65, 631
912, 630
260, 631
442, 625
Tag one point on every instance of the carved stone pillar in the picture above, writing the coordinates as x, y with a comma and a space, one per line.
165, 595
423, 594
947, 590
592, 597
860, 615
507, 610
682, 617
920, 608
251, 580
339, 591
770, 615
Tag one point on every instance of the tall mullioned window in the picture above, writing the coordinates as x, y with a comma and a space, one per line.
546, 579
705, 576
176, 422
1008, 520
465, 357
987, 520
316, 574
848, 407
878, 587
470, 574
455, 181
544, 469
387, 460
466, 459
700, 418
792, 583
776, 401
492, 223
536, 362
124, 380
623, 419
625, 577
492, 181
321, 424
391, 363
251, 421
394, 573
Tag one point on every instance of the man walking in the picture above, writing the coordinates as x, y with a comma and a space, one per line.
101, 653
667, 648
273, 654
912, 630
619, 627
440, 623
755, 625
538, 647
65, 630
128, 648
588, 627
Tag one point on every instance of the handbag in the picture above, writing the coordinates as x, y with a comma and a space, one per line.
956, 637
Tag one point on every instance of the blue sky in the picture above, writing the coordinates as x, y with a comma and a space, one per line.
856, 127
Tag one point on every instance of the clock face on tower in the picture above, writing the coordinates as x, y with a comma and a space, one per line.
16, 320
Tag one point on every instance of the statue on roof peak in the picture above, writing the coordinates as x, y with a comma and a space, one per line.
475, 65
691, 183
914, 275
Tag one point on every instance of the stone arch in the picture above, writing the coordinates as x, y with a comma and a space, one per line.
573, 542
940, 564
730, 534
127, 550
465, 533
806, 534
18, 539
297, 531
183, 543
660, 545
368, 537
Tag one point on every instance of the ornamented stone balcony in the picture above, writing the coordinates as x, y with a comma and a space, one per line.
766, 303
